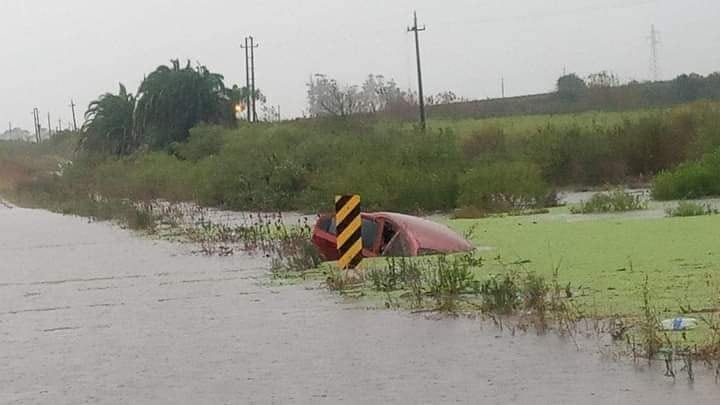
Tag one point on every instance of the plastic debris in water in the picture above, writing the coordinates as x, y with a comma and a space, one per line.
679, 323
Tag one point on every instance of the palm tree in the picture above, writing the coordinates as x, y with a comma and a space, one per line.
108, 126
173, 99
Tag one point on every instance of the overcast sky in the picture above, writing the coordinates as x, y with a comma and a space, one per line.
56, 50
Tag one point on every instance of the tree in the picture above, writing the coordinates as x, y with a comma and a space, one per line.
326, 97
444, 97
688, 87
173, 99
376, 94
239, 96
108, 124
603, 79
571, 87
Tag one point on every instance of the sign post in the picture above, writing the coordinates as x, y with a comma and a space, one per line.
349, 231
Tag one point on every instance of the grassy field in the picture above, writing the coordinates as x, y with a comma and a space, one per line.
528, 125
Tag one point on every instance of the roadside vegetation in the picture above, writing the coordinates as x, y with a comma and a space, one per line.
297, 165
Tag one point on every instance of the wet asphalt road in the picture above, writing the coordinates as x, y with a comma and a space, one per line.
90, 313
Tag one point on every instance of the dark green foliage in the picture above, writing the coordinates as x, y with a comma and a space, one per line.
503, 186
690, 180
171, 100
571, 87
108, 124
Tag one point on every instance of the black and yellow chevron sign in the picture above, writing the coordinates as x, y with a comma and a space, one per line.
349, 230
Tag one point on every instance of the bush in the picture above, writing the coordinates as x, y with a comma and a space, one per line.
502, 186
614, 201
689, 180
690, 209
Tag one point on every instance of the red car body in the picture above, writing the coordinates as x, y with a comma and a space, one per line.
391, 234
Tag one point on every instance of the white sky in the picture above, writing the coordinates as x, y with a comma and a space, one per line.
54, 50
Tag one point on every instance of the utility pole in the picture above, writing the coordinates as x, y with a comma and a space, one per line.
654, 42
502, 86
247, 78
252, 77
36, 124
72, 105
421, 96
49, 127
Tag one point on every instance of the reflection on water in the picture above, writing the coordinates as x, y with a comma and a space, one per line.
91, 313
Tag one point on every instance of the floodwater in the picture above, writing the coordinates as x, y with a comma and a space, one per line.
90, 313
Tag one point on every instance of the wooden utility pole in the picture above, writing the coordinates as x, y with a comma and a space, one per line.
36, 124
49, 127
421, 96
247, 78
252, 77
72, 105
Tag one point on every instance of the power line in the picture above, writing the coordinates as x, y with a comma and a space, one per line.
421, 98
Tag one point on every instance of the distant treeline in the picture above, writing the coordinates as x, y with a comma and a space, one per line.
577, 95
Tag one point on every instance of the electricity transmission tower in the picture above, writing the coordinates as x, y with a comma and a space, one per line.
654, 43
421, 97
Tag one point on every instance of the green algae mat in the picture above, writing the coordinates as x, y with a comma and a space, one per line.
606, 258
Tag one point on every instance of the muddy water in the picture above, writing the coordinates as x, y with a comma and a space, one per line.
90, 313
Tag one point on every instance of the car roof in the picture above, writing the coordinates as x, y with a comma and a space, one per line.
428, 234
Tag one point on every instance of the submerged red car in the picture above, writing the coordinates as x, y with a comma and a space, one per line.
391, 234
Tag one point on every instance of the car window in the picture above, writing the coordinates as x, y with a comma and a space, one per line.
398, 246
324, 223
369, 232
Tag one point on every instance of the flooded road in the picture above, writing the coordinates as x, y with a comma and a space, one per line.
90, 313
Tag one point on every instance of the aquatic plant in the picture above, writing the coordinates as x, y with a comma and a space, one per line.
617, 200
690, 209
